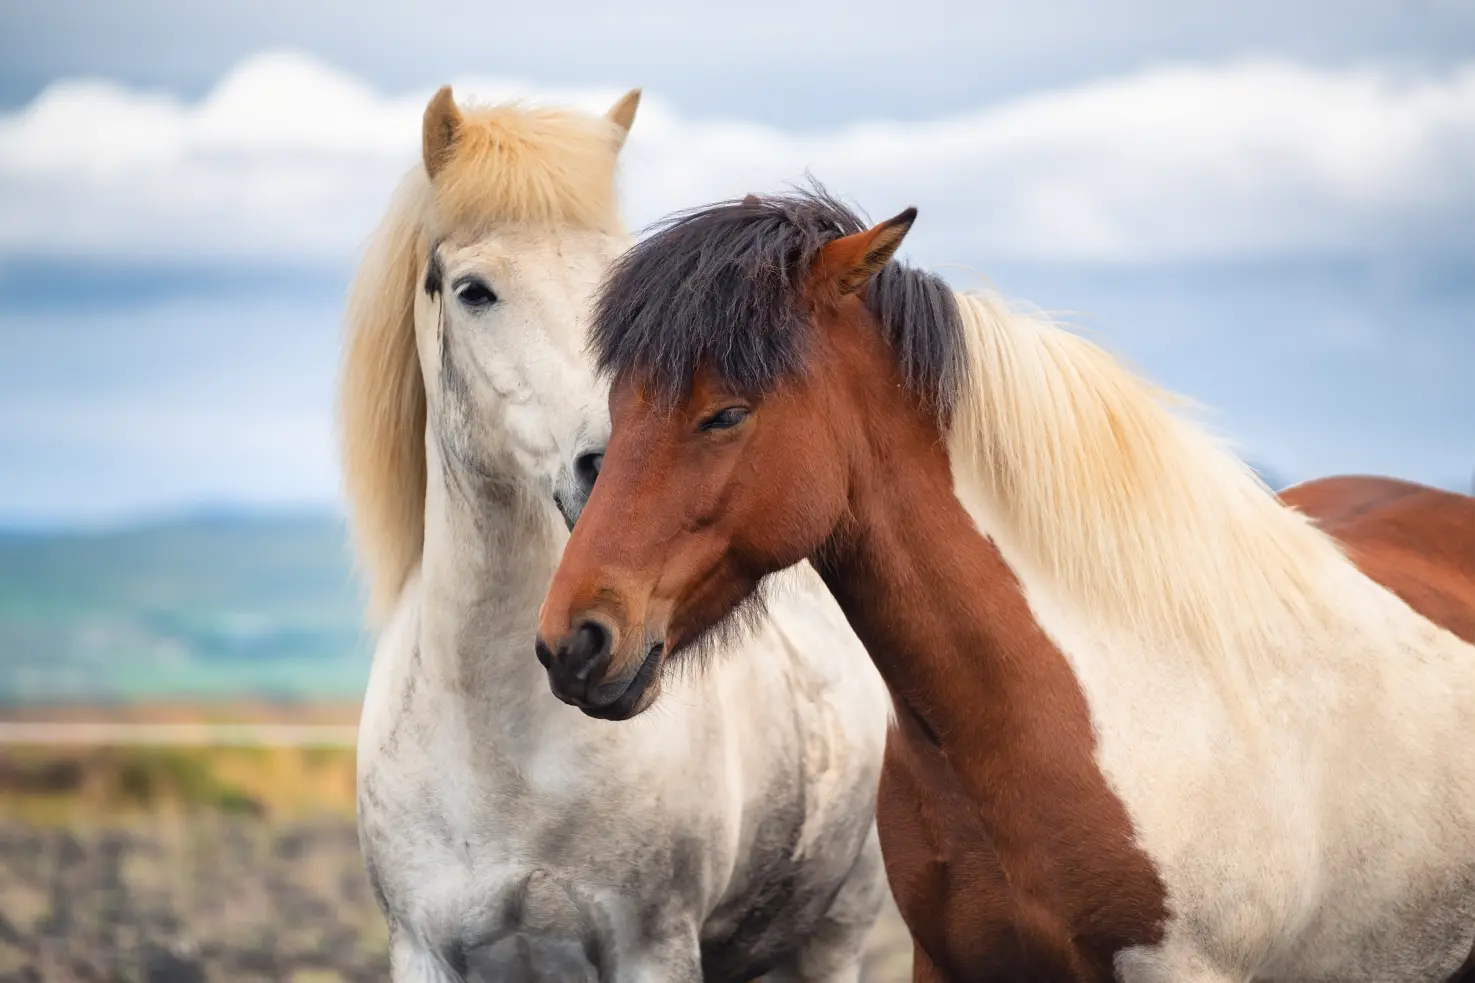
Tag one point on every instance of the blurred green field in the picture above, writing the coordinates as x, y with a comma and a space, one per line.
201, 608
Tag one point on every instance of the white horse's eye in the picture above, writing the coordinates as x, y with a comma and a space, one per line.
475, 293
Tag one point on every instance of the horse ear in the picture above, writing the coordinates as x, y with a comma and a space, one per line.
849, 262
441, 127
622, 113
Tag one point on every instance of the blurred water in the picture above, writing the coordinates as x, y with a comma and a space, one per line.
206, 607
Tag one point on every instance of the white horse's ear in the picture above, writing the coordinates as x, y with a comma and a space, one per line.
442, 125
622, 113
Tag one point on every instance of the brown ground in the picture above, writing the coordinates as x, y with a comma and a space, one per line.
187, 901
182, 865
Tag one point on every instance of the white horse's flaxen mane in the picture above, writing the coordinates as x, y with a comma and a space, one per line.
511, 165
1136, 514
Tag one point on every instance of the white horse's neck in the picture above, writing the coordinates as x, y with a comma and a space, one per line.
489, 555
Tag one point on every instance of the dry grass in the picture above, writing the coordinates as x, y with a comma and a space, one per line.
226, 712
89, 785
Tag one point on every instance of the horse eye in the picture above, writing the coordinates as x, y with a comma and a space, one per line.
475, 294
725, 419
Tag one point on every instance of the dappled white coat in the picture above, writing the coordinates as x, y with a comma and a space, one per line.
480, 792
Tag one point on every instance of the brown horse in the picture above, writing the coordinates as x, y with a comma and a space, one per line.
1156, 725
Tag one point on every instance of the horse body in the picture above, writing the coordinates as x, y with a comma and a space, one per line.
1416, 541
508, 837
1287, 736
1325, 831
1156, 726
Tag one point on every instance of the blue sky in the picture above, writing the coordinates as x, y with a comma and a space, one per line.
1269, 208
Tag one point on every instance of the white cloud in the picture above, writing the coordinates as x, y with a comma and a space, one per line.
288, 160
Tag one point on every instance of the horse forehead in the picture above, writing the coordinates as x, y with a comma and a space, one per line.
555, 268
533, 245
704, 387
493, 252
641, 417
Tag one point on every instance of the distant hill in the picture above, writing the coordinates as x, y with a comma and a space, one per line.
214, 605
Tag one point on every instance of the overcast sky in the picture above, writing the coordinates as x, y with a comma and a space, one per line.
778, 61
1269, 209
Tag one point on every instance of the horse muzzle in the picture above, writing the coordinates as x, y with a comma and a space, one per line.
578, 667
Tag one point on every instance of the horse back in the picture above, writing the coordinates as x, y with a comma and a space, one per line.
1418, 542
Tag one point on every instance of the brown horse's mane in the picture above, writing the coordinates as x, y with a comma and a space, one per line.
722, 287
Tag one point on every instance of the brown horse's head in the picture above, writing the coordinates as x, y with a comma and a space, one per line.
750, 347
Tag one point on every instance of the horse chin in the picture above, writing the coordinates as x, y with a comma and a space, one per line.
641, 692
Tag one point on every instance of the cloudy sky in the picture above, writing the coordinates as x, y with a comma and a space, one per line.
1271, 210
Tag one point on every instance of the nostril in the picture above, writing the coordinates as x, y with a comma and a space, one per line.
586, 469
545, 654
588, 650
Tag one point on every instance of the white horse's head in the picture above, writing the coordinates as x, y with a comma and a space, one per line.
465, 346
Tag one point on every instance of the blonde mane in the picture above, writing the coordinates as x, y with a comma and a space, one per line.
1136, 514
485, 167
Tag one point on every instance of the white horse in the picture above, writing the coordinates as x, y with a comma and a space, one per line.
508, 836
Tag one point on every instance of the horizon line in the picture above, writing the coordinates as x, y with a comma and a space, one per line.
163, 516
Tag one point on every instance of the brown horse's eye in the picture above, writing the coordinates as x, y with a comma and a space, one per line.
726, 418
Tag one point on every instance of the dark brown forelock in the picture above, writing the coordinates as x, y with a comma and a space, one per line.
721, 287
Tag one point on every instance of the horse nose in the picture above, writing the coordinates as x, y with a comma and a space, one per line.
576, 664
586, 469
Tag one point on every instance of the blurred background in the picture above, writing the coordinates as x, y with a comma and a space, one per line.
1268, 207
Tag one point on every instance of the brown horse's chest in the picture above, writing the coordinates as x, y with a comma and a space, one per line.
943, 869
961, 899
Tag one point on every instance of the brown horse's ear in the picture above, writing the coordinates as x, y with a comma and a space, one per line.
849, 262
442, 125
622, 113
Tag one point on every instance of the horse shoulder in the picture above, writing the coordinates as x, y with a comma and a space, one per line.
822, 680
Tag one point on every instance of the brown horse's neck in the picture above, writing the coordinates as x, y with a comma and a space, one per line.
945, 621
948, 626
940, 611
